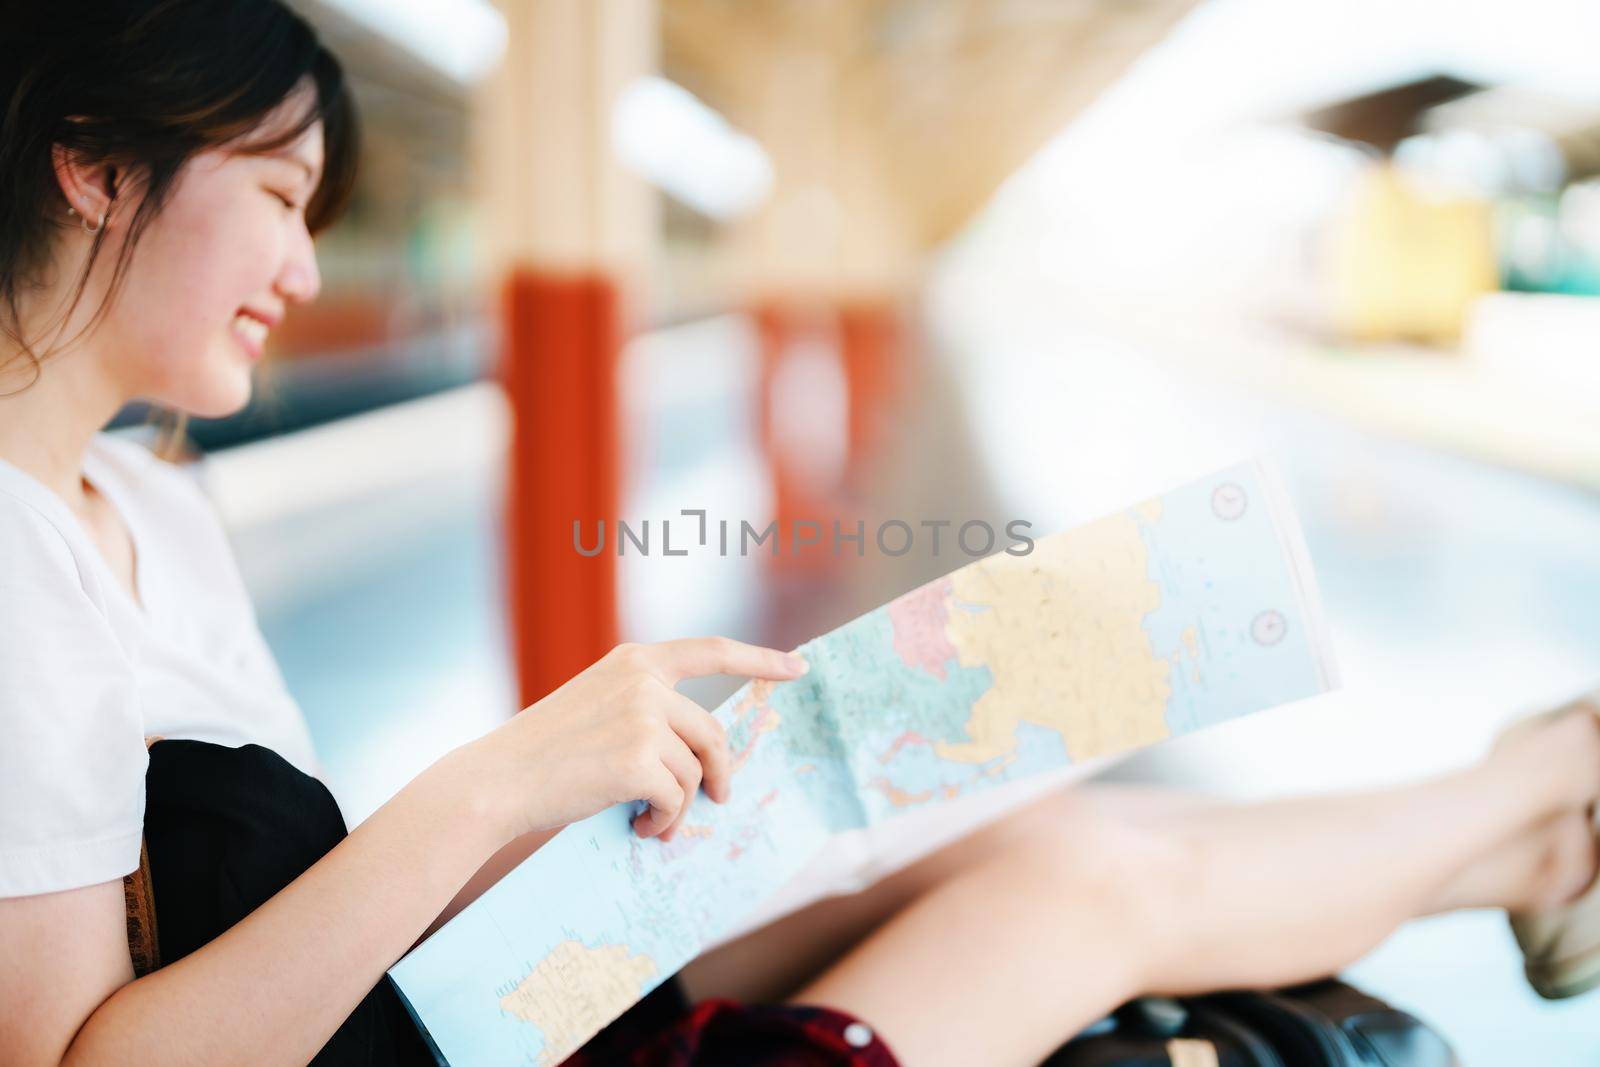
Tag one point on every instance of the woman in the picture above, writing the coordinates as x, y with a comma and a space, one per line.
213, 139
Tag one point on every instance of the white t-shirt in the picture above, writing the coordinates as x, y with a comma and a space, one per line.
86, 672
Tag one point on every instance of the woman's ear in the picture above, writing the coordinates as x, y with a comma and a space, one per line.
88, 190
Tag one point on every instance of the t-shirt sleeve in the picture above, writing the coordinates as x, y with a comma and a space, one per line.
72, 754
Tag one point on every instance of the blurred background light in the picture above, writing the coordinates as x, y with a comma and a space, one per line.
463, 39
665, 134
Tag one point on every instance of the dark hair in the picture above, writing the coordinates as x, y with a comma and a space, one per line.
144, 86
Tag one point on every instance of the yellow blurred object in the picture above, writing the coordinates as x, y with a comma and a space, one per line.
1408, 264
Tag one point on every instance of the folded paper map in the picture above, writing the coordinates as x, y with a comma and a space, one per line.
1187, 610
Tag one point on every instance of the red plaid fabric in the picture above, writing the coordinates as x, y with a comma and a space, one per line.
726, 1032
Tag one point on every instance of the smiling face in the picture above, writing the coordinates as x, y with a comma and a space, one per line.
219, 266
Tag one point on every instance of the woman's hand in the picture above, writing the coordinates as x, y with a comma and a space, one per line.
619, 732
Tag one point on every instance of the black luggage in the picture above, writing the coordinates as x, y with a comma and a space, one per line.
1322, 1024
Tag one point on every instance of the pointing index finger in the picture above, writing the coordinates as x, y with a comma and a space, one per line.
692, 657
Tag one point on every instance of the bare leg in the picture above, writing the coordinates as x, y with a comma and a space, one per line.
1004, 959
771, 963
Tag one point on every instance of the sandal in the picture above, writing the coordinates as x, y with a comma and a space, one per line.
1561, 945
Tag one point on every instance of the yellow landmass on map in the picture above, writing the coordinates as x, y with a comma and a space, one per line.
899, 797
1064, 640
609, 974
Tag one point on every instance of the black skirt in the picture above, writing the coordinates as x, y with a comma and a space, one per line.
225, 829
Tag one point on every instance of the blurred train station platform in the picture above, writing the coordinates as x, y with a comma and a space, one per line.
781, 261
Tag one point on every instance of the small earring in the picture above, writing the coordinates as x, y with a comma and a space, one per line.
97, 227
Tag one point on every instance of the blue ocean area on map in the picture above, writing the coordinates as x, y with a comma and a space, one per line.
1233, 670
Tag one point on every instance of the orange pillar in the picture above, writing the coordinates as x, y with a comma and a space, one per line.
778, 328
797, 495
867, 335
871, 347
560, 343
566, 234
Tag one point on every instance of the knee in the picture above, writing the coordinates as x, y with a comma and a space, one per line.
1135, 879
